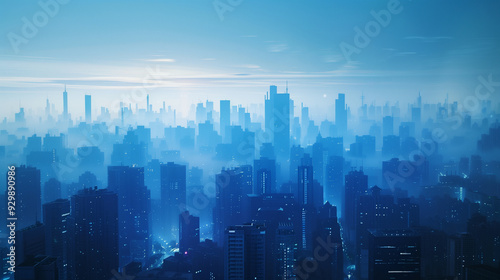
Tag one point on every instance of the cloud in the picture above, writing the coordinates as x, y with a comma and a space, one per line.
277, 48
169, 60
209, 59
250, 66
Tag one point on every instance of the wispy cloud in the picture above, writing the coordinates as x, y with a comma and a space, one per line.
169, 60
277, 48
428, 39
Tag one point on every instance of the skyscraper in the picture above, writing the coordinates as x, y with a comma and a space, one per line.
244, 255
264, 176
173, 194
225, 118
65, 104
277, 120
94, 245
356, 184
189, 232
28, 196
232, 188
341, 114
133, 212
55, 219
88, 109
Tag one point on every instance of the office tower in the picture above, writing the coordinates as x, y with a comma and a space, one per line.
225, 118
173, 194
334, 186
189, 232
285, 247
296, 154
40, 267
416, 115
341, 114
387, 126
364, 146
133, 212
201, 113
394, 254
30, 242
51, 190
55, 219
318, 152
391, 146
244, 255
65, 104
232, 188
331, 262
241, 118
356, 184
267, 151
305, 181
463, 166
28, 197
277, 121
94, 227
304, 119
264, 176
476, 165
88, 109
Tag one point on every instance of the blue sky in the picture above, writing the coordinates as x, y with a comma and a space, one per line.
105, 48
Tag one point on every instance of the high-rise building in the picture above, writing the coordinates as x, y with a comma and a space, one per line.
173, 194
55, 219
232, 188
94, 227
356, 184
225, 118
341, 114
264, 176
387, 126
334, 181
65, 104
28, 197
133, 212
88, 109
40, 267
30, 242
277, 120
305, 181
189, 232
245, 252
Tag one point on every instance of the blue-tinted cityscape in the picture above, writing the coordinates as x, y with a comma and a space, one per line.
135, 148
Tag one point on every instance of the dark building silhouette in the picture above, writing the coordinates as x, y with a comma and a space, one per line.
244, 255
173, 194
55, 219
232, 188
94, 246
356, 184
40, 267
28, 196
264, 176
189, 232
134, 210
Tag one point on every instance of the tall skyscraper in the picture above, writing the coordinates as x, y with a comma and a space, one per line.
232, 188
387, 126
341, 114
28, 196
356, 184
225, 118
245, 252
173, 194
65, 104
189, 232
277, 121
88, 108
94, 246
264, 176
133, 212
305, 180
55, 219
